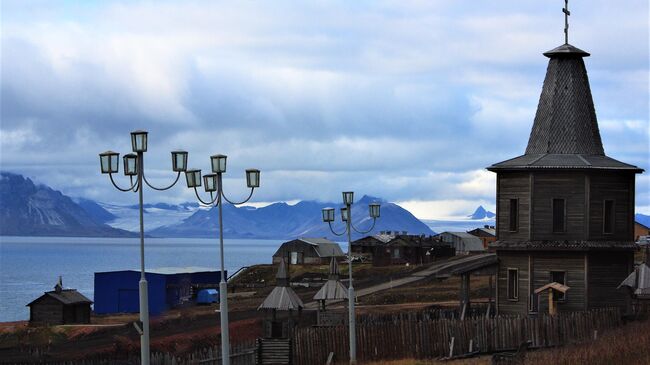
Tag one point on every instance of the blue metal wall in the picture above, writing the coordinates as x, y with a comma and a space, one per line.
118, 291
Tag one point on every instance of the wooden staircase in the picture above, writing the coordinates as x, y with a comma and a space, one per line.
274, 351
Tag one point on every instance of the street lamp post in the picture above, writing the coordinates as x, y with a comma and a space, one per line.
212, 183
134, 166
346, 216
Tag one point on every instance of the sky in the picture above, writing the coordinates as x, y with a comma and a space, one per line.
404, 100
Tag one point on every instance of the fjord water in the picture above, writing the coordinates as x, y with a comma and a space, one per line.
30, 266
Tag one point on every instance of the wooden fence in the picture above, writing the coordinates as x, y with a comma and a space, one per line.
244, 353
432, 338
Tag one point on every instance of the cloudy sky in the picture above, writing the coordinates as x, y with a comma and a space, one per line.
406, 100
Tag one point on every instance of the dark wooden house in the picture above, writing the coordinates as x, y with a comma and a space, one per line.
60, 306
399, 249
565, 210
308, 251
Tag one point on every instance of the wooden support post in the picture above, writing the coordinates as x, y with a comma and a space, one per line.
551, 303
464, 293
451, 347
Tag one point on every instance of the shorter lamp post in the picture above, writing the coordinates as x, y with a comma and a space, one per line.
346, 216
134, 166
212, 183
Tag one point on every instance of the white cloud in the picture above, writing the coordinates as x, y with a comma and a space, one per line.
404, 100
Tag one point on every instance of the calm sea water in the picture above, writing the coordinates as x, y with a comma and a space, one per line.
30, 266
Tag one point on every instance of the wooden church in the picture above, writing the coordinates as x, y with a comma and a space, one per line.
565, 210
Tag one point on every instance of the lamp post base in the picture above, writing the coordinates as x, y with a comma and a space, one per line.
223, 308
144, 318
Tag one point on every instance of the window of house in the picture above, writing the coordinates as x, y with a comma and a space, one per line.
559, 277
513, 224
513, 284
396, 253
559, 215
608, 216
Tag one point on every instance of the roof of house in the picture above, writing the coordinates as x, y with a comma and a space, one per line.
562, 245
468, 241
65, 296
554, 285
324, 247
565, 131
282, 297
489, 231
641, 224
640, 287
332, 289
167, 270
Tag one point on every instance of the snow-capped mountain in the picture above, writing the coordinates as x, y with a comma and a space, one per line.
27, 209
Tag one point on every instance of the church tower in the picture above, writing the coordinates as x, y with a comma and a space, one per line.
565, 210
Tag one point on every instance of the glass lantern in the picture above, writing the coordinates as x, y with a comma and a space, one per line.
210, 182
130, 164
109, 162
344, 214
328, 215
348, 197
253, 178
193, 178
374, 210
218, 163
139, 141
179, 161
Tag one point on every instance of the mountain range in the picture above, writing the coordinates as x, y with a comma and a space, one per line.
27, 209
284, 221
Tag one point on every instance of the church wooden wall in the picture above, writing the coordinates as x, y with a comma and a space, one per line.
573, 263
558, 185
513, 185
606, 271
620, 188
512, 260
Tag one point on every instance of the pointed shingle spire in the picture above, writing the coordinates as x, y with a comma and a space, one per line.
565, 122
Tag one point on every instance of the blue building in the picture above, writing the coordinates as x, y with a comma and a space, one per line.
117, 291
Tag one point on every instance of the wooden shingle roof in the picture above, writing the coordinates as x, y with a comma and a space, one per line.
66, 297
565, 132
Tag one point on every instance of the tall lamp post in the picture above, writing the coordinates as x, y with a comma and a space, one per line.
134, 166
212, 183
346, 216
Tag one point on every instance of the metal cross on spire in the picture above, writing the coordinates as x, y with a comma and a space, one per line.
566, 12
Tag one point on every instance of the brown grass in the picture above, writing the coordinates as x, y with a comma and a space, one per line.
627, 345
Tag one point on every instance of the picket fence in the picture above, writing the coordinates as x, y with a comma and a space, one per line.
421, 339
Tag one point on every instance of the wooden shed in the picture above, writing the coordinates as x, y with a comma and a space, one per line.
60, 306
308, 251
565, 210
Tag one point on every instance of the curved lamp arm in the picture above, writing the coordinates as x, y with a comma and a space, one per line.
211, 202
178, 175
333, 231
235, 203
132, 188
374, 221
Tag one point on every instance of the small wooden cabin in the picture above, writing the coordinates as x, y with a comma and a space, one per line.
60, 306
565, 210
308, 251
